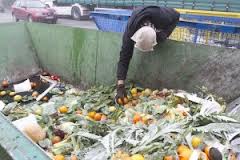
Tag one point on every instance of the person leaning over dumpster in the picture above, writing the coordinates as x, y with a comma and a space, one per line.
146, 27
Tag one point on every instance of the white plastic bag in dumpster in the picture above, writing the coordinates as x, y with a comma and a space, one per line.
2, 105
23, 87
190, 97
209, 105
29, 126
21, 123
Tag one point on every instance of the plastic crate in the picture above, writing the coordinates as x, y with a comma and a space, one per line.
111, 20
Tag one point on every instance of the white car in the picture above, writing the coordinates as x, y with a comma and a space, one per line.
76, 11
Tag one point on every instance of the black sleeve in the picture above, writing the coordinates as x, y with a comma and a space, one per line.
165, 33
125, 55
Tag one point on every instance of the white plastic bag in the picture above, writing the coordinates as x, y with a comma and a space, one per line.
210, 106
21, 123
23, 87
2, 105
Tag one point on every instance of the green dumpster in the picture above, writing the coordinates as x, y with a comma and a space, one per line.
89, 57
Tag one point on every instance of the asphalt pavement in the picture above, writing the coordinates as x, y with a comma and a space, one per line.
7, 17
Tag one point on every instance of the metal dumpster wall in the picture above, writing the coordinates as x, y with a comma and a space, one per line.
69, 52
17, 56
88, 56
17, 61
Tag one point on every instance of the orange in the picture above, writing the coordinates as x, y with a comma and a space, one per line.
35, 94
134, 95
112, 109
97, 117
137, 118
181, 148
17, 98
203, 156
12, 94
206, 151
5, 83
145, 120
134, 102
133, 91
91, 114
63, 109
196, 141
137, 157
120, 101
103, 118
59, 157
38, 111
45, 99
33, 84
74, 157
3, 93
147, 92
56, 139
185, 154
168, 158
125, 100
184, 113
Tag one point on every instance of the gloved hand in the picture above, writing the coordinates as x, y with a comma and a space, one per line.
121, 93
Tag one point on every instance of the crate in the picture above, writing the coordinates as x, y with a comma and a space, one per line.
111, 20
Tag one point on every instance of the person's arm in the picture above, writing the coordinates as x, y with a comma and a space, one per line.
165, 33
124, 60
126, 54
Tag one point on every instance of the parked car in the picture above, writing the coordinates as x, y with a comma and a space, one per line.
33, 11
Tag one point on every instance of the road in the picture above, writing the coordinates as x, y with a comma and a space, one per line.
7, 17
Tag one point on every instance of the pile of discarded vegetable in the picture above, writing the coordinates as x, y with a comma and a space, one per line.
151, 125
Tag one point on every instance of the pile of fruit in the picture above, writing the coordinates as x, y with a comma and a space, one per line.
147, 125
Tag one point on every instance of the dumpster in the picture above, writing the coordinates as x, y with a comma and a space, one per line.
65, 52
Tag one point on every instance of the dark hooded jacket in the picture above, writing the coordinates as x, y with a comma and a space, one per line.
162, 19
